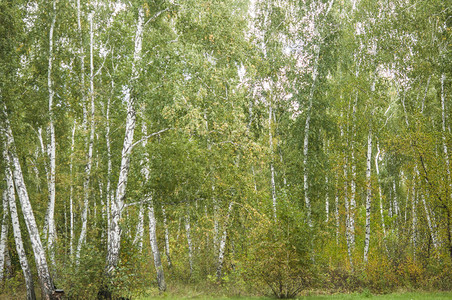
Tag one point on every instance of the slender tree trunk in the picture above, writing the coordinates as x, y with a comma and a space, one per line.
71, 192
138, 240
327, 200
167, 247
47, 287
445, 149
429, 222
306, 140
377, 158
347, 208
396, 202
223, 242
272, 168
52, 145
155, 250
189, 241
4, 234
353, 183
10, 195
118, 203
82, 67
108, 191
336, 210
369, 195
414, 219
89, 163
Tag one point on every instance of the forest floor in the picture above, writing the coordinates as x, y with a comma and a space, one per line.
354, 296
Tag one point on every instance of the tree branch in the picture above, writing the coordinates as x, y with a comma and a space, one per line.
148, 136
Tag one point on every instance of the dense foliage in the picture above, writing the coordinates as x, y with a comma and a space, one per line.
251, 146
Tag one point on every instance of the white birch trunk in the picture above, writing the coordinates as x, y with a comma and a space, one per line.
47, 287
52, 146
272, 169
167, 247
306, 140
347, 209
89, 163
414, 220
189, 241
223, 242
154, 246
71, 193
336, 210
369, 195
445, 149
353, 183
396, 203
118, 203
10, 199
109, 192
327, 200
138, 240
429, 222
82, 67
377, 158
4, 234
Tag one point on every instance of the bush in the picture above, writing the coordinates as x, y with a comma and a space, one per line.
279, 253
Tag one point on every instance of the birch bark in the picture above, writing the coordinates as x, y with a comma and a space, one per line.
189, 241
353, 183
10, 195
154, 246
377, 158
89, 162
118, 202
52, 145
443, 117
369, 195
167, 247
306, 139
223, 242
4, 234
272, 169
47, 287
71, 192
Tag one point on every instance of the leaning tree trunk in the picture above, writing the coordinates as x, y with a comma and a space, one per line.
10, 195
223, 242
47, 287
118, 202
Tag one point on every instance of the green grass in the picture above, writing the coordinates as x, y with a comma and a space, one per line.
395, 296
355, 296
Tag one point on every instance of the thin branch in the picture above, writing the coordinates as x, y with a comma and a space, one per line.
148, 136
156, 16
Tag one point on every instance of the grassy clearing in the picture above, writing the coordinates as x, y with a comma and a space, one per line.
395, 296
355, 296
